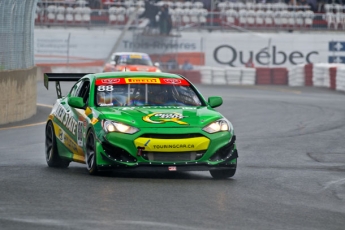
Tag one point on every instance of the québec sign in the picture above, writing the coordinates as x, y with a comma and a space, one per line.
230, 56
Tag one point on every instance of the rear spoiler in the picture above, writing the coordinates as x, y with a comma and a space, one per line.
57, 77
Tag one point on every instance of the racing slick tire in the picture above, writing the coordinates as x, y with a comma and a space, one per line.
223, 173
90, 153
53, 158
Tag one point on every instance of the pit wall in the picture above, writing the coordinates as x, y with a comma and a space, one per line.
18, 100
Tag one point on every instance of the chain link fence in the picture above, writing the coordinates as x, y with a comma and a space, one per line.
16, 34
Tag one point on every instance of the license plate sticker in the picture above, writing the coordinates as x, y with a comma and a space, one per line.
172, 168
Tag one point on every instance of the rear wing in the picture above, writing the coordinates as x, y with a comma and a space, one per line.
57, 77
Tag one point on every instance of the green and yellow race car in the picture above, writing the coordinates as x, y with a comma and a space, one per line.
138, 121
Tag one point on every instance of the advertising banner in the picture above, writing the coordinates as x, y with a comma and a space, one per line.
218, 48
273, 49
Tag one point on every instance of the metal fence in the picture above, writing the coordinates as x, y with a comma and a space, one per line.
16, 34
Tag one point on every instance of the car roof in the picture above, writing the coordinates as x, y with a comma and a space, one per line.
129, 53
136, 74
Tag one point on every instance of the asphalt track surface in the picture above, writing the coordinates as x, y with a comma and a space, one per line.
291, 173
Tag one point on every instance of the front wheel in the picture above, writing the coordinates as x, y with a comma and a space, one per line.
53, 158
90, 154
223, 173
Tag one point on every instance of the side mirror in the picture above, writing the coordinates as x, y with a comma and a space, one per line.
156, 64
76, 102
215, 101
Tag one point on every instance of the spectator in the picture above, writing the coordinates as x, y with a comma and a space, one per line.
207, 4
94, 4
172, 64
312, 4
150, 12
165, 23
187, 66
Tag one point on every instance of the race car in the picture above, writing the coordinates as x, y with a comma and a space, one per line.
138, 121
129, 62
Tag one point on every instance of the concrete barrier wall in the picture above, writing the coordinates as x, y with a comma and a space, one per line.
18, 95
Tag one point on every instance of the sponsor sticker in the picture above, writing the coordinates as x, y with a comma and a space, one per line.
61, 135
142, 80
174, 146
94, 121
159, 118
172, 81
110, 80
66, 118
106, 104
139, 80
80, 133
137, 56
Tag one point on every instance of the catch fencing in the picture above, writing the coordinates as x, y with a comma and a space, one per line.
16, 34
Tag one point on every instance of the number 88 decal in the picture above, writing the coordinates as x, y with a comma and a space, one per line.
102, 88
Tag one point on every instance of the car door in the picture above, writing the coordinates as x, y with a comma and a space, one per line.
65, 125
81, 115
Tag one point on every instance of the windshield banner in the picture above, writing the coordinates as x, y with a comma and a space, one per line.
142, 80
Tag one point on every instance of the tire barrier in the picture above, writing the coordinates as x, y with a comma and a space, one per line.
263, 76
321, 75
329, 75
227, 76
332, 76
191, 75
340, 79
296, 75
308, 74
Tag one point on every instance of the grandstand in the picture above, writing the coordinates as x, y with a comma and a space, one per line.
221, 15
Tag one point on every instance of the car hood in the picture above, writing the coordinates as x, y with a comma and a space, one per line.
161, 116
132, 68
143, 68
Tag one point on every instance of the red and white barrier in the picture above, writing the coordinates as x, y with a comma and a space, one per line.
320, 75
233, 75
227, 76
248, 76
340, 79
296, 75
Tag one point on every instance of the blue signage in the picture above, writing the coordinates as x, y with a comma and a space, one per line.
336, 46
336, 59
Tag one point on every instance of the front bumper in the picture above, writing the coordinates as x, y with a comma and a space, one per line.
123, 154
230, 163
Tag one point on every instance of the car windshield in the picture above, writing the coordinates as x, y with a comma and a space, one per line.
133, 59
146, 95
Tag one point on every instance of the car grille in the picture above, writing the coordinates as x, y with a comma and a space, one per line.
171, 136
173, 157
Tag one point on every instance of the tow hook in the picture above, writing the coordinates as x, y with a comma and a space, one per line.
139, 152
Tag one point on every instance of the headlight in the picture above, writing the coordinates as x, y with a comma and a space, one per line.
217, 126
126, 69
112, 126
158, 70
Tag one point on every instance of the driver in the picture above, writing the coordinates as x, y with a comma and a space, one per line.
158, 95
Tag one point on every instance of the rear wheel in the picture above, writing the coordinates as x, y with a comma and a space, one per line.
90, 154
223, 173
53, 158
